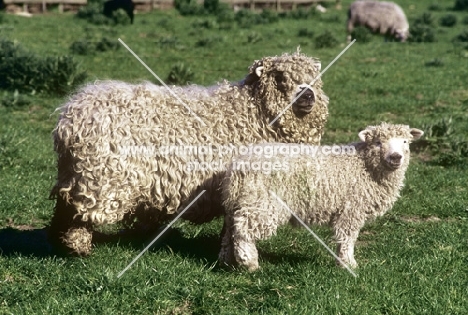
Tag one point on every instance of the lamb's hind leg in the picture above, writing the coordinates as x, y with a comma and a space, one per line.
68, 232
226, 254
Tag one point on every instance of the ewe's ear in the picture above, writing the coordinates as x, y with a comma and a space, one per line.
362, 135
317, 66
259, 71
416, 133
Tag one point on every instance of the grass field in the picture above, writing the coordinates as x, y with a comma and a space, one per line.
414, 260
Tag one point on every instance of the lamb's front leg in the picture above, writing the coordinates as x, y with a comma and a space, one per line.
246, 254
346, 239
243, 240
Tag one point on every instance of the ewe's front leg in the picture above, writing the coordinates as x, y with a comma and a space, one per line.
69, 233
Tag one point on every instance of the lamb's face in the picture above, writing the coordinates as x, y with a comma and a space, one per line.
394, 152
390, 143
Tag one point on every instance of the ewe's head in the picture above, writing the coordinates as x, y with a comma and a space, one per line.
389, 144
277, 83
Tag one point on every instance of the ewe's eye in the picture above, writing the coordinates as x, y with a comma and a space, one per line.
280, 81
378, 143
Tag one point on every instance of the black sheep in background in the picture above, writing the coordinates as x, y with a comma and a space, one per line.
112, 5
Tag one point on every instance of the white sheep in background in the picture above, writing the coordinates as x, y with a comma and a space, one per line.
385, 18
358, 182
98, 184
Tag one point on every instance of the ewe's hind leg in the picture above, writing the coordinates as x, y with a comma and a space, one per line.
70, 234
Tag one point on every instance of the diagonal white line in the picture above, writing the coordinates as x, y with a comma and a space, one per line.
313, 234
311, 83
159, 235
162, 82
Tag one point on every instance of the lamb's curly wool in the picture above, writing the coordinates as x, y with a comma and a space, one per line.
359, 182
97, 183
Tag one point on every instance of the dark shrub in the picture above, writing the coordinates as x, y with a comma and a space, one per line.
189, 7
421, 34
180, 74
112, 6
462, 37
269, 16
361, 34
106, 44
246, 18
211, 6
449, 20
27, 72
110, 13
425, 19
461, 5
325, 40
83, 47
305, 32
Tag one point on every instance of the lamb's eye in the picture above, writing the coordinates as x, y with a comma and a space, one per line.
405, 141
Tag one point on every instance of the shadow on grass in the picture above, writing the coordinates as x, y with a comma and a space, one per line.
204, 247
34, 242
30, 242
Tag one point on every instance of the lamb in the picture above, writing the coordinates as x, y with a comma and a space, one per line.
344, 188
386, 18
102, 181
113, 5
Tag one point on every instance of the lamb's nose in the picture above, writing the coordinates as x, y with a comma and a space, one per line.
395, 158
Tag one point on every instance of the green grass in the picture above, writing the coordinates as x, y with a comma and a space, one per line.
414, 260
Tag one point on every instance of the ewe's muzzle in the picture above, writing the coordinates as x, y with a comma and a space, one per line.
304, 104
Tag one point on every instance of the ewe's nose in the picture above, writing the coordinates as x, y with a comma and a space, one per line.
395, 158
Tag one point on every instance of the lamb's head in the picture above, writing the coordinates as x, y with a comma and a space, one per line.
388, 145
288, 91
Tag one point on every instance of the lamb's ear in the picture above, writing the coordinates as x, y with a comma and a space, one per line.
416, 133
317, 66
362, 135
259, 71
